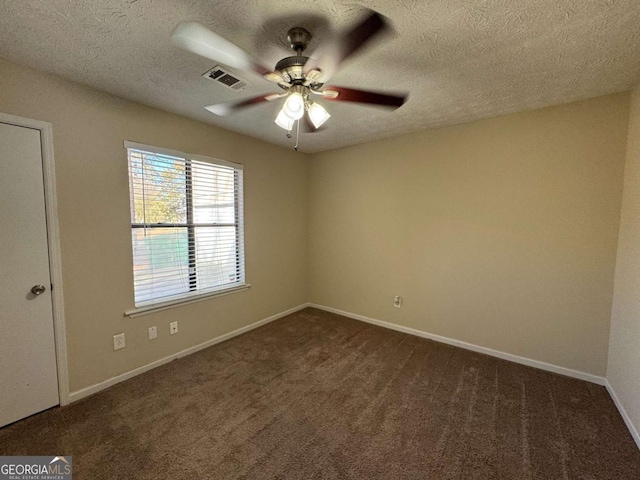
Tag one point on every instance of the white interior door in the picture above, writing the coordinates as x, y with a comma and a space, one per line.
28, 375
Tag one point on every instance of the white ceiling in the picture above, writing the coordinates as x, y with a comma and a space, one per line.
459, 60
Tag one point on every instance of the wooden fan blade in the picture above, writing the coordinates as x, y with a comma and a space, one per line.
331, 54
196, 38
363, 96
222, 109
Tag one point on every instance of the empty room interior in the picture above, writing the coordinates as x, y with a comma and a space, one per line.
320, 239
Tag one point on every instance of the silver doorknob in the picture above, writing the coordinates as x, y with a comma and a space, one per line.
38, 289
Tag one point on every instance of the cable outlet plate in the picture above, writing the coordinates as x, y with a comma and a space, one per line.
153, 333
173, 328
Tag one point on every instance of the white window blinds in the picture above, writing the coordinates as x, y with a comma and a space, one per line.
186, 224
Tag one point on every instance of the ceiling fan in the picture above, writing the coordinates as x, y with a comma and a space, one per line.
302, 78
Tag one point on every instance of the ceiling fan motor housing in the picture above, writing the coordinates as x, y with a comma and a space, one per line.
291, 68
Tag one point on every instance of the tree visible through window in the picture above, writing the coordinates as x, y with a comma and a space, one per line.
186, 225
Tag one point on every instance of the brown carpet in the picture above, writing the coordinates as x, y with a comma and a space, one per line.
315, 395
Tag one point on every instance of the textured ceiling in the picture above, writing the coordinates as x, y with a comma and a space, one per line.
459, 60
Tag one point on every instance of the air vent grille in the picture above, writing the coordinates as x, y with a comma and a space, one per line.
222, 76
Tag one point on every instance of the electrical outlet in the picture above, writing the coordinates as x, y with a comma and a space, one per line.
153, 333
397, 301
173, 328
118, 341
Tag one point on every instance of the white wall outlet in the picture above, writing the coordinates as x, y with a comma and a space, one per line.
397, 301
118, 341
153, 333
173, 328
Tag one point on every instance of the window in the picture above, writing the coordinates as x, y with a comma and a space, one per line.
186, 225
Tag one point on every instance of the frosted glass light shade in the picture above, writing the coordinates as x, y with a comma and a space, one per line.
294, 106
284, 121
317, 114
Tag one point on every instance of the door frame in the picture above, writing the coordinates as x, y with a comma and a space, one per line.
53, 241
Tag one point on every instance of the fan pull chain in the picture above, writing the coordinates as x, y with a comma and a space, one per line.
297, 136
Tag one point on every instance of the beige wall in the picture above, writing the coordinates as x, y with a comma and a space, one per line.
623, 372
89, 129
501, 232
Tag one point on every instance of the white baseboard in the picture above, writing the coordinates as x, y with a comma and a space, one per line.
85, 392
469, 346
623, 413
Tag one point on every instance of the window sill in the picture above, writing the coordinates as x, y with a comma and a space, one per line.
158, 307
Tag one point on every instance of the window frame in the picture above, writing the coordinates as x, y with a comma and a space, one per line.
193, 295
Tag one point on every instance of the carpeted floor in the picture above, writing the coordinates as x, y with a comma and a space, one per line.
315, 395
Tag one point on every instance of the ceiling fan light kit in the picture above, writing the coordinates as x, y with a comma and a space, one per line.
317, 114
298, 75
284, 121
294, 105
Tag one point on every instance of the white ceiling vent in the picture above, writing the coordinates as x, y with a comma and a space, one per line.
220, 75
